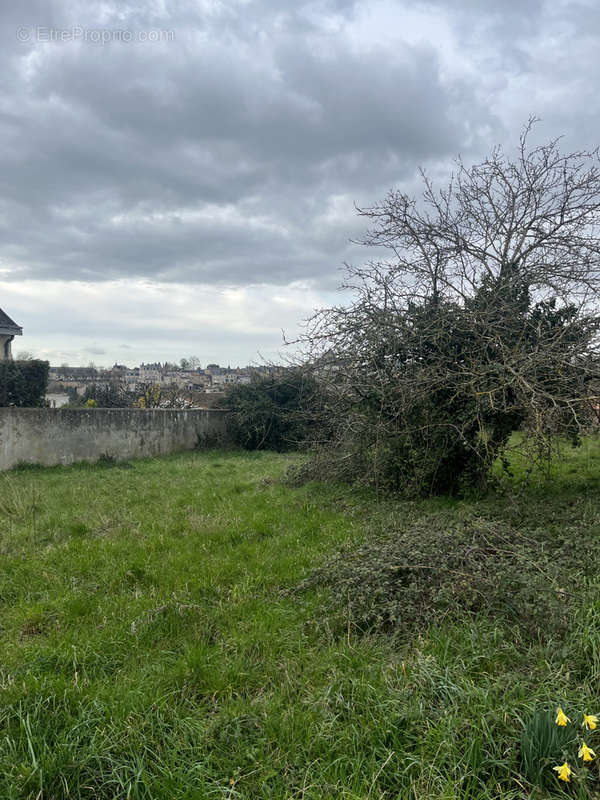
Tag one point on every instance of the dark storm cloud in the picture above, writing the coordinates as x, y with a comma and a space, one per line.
233, 151
112, 154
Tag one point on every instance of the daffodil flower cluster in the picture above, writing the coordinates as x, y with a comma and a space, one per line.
590, 723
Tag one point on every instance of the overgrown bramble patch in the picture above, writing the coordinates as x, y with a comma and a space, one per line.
441, 566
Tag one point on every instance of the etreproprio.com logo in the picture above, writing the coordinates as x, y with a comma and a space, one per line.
77, 33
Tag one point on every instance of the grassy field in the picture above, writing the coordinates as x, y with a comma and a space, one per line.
150, 649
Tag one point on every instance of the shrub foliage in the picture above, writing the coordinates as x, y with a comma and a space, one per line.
23, 383
273, 412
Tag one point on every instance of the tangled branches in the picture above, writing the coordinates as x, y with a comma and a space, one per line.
481, 320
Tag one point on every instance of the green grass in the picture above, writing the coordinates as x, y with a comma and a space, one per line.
150, 650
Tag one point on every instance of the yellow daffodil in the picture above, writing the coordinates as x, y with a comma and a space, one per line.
564, 772
590, 721
561, 717
586, 752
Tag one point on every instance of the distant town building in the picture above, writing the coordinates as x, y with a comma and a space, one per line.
150, 373
132, 378
8, 330
215, 369
229, 378
73, 374
191, 385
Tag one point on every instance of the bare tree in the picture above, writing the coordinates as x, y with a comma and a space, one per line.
154, 395
481, 319
193, 362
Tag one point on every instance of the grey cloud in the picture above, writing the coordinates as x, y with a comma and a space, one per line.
99, 137
213, 158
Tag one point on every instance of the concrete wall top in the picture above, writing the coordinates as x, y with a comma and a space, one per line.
65, 435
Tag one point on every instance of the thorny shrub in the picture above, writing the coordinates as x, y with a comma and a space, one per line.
401, 580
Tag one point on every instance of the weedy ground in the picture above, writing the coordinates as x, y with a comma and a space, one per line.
151, 647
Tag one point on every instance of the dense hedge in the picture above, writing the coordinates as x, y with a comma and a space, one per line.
23, 383
273, 412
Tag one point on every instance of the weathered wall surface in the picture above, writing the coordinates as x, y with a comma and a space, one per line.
61, 436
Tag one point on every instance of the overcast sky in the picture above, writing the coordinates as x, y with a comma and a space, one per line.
179, 178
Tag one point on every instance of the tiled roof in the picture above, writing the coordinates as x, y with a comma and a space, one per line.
8, 325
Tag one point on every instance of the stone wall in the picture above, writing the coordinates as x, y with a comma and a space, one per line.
62, 436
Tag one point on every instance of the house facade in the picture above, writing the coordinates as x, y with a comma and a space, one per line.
8, 330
